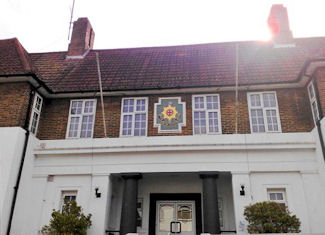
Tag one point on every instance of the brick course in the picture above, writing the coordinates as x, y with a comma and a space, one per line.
295, 114
13, 103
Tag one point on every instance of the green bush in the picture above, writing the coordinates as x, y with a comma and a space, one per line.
270, 217
71, 221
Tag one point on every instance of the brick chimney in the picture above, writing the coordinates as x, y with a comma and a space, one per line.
279, 25
82, 39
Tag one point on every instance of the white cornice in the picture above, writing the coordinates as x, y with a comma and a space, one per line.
178, 143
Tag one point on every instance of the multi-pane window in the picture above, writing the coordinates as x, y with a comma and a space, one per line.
68, 196
313, 101
206, 114
277, 195
81, 119
134, 117
36, 113
263, 111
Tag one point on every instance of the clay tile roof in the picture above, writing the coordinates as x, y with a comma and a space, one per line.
14, 59
201, 65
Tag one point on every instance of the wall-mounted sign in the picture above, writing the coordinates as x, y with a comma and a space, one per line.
170, 114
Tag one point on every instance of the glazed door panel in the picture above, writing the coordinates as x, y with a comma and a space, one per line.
175, 217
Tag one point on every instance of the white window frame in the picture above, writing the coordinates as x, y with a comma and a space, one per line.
313, 100
276, 108
277, 190
133, 115
206, 114
35, 110
65, 193
81, 115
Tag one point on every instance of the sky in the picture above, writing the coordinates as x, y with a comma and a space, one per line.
43, 25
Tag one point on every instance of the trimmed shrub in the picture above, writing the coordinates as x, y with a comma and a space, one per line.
270, 217
71, 221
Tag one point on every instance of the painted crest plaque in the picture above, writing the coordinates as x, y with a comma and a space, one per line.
170, 114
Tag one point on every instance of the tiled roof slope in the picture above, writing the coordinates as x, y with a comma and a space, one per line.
14, 59
200, 65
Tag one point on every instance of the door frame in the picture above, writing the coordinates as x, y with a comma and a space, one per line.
154, 197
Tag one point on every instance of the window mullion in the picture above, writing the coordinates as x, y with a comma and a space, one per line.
71, 116
207, 125
133, 123
133, 116
79, 125
266, 126
205, 103
205, 100
80, 119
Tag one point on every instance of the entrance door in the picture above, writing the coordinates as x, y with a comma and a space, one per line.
175, 217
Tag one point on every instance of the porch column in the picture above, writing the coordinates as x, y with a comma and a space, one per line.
210, 203
129, 203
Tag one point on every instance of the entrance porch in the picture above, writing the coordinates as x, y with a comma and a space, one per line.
182, 203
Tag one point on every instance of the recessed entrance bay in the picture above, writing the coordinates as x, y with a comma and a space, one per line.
175, 216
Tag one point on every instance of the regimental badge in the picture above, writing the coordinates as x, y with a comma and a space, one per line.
170, 114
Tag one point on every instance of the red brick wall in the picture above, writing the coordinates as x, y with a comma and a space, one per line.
13, 103
228, 113
54, 119
294, 109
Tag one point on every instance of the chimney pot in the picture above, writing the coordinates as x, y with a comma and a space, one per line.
279, 25
82, 39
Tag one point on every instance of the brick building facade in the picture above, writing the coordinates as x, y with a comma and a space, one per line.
294, 109
181, 128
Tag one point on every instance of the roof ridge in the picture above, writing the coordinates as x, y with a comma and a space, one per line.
202, 44
179, 46
171, 46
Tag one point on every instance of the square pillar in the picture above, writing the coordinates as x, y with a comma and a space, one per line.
129, 203
210, 203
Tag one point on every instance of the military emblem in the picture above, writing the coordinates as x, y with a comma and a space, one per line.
169, 115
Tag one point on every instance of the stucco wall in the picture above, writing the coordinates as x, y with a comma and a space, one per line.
11, 147
252, 160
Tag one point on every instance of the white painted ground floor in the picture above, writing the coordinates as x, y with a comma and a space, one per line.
185, 184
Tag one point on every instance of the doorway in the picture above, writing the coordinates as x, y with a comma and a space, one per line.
178, 214
175, 217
